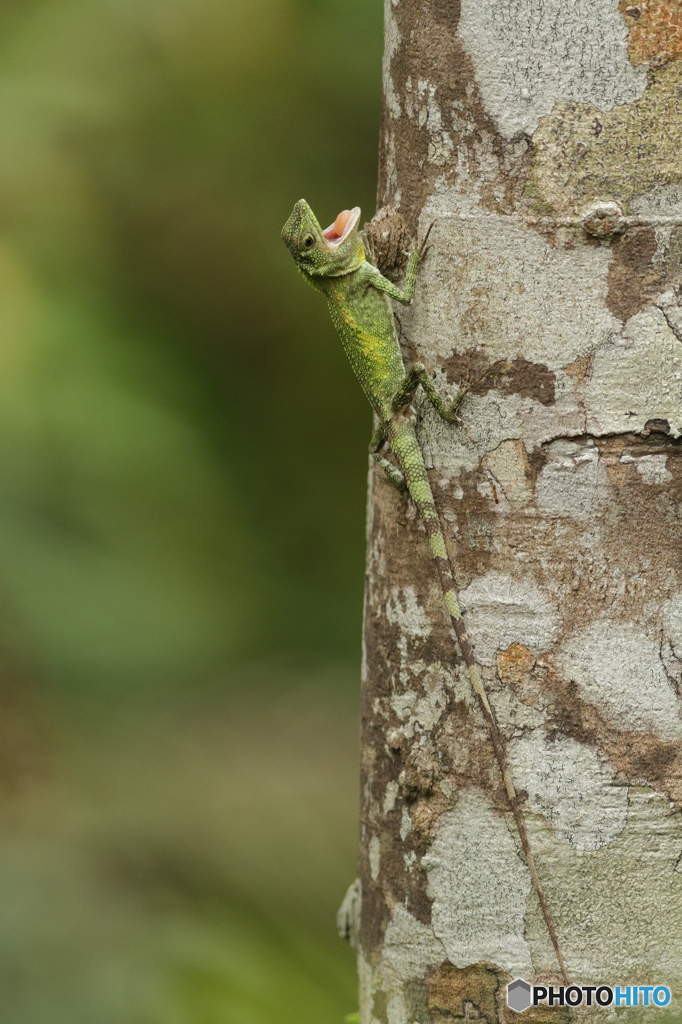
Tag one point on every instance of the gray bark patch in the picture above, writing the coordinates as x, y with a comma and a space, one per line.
501, 610
479, 887
572, 786
636, 377
573, 482
546, 306
619, 670
529, 54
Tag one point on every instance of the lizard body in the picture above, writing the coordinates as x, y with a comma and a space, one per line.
333, 261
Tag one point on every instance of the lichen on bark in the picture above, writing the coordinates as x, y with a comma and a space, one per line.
580, 151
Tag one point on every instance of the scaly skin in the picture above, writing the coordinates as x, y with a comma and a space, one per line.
358, 297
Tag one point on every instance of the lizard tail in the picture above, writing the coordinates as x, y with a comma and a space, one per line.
404, 444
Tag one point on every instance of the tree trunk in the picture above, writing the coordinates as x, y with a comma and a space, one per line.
543, 140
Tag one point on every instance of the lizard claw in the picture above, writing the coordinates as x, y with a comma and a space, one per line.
368, 245
497, 369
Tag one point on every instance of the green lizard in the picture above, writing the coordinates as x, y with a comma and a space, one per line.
333, 261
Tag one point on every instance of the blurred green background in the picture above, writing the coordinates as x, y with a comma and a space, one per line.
182, 479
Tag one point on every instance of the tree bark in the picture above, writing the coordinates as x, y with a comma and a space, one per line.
543, 140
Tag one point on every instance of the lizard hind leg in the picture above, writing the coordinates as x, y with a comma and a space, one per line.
416, 375
392, 472
448, 411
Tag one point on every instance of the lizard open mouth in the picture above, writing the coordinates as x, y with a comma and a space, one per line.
338, 232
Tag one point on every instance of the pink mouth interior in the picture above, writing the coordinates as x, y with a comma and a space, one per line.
342, 226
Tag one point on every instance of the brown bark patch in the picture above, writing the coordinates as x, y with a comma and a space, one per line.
654, 30
633, 279
515, 377
380, 1006
374, 917
580, 369
515, 668
543, 1015
388, 240
450, 989
468, 368
529, 380
422, 772
647, 757
478, 993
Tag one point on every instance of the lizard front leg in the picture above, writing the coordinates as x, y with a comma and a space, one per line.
404, 295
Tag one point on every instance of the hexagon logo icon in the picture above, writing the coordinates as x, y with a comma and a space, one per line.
518, 995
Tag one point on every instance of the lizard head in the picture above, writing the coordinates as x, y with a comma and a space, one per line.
329, 253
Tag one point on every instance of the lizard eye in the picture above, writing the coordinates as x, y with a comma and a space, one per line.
308, 241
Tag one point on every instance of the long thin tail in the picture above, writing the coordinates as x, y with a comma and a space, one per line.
404, 444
